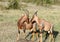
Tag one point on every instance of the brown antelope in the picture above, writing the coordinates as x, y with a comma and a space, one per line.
25, 24
43, 25
20, 23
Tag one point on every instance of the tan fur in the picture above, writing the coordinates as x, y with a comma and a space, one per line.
24, 23
43, 25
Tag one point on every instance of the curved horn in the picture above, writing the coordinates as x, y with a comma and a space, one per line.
35, 13
26, 11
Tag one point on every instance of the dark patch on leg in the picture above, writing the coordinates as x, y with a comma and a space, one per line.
18, 31
24, 30
47, 35
29, 34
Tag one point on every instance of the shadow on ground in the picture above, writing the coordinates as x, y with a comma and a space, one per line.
24, 40
55, 33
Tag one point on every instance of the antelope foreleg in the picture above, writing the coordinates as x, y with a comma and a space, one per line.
18, 34
40, 37
33, 36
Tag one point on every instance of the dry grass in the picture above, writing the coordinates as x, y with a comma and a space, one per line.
8, 21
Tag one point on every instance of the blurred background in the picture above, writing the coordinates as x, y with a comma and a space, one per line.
17, 4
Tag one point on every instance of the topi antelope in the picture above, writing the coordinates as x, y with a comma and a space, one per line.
25, 23
43, 25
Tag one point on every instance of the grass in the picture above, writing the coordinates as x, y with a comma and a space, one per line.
8, 21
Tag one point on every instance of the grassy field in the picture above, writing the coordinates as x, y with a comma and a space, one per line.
8, 21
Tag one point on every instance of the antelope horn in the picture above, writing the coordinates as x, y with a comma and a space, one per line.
35, 13
26, 11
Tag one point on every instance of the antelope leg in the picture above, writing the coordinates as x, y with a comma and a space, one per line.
40, 37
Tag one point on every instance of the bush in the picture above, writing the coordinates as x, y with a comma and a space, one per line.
14, 5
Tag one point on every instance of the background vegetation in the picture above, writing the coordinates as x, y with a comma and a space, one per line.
18, 4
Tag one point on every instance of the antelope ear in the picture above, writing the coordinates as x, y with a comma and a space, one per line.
35, 13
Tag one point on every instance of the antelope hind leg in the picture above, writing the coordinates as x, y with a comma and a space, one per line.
52, 38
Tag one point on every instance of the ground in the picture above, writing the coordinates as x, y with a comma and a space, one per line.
9, 18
